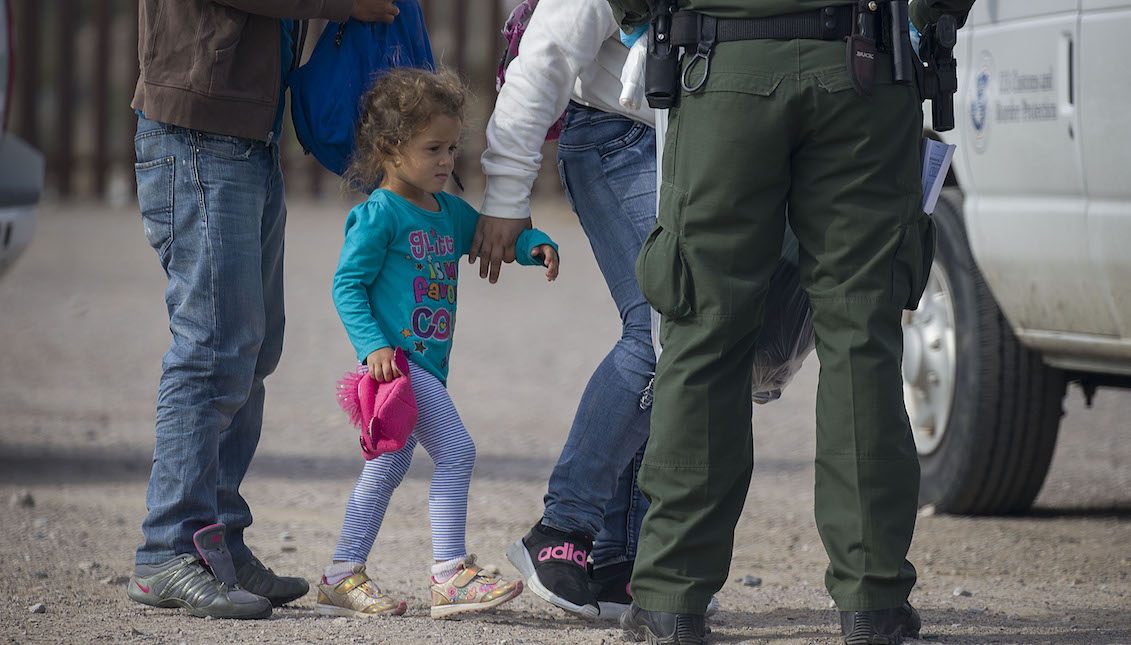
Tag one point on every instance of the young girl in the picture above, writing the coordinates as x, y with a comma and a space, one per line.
396, 287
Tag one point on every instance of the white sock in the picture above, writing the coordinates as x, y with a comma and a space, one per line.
443, 571
338, 571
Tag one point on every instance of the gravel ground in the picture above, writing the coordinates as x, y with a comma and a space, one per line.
82, 329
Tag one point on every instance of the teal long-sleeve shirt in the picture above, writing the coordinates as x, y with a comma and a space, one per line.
397, 275
631, 13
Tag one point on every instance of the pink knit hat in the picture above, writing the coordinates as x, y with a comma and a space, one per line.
384, 412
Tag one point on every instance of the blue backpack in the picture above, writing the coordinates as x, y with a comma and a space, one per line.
326, 91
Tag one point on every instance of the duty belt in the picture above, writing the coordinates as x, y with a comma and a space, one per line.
699, 33
831, 23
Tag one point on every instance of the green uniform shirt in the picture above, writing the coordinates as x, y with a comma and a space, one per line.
631, 13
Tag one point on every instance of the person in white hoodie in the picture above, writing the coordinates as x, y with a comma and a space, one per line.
571, 58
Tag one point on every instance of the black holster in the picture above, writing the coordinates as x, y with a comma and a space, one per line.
661, 68
937, 78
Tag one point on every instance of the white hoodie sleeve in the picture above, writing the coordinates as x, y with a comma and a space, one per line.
562, 38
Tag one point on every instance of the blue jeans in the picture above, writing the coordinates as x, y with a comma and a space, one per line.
212, 207
608, 168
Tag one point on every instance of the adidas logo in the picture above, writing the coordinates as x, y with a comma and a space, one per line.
563, 552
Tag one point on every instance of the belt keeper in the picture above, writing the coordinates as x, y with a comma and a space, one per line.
708, 37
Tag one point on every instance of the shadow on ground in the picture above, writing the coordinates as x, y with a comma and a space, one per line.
939, 626
26, 465
22, 464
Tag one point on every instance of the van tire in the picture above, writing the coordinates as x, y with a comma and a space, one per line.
1007, 404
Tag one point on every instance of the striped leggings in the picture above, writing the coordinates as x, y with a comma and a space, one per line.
440, 431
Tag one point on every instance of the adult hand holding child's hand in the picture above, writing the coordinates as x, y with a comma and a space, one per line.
493, 243
381, 366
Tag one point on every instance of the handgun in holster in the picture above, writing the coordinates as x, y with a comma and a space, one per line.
938, 76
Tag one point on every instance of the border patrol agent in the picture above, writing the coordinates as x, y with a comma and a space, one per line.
772, 118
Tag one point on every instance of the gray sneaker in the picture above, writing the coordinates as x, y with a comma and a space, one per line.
261, 581
184, 582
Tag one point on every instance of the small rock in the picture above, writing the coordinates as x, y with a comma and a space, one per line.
115, 580
959, 591
40, 574
927, 511
37, 608
22, 499
492, 569
832, 604
975, 610
341, 621
289, 548
286, 536
87, 567
1013, 617
750, 581
134, 631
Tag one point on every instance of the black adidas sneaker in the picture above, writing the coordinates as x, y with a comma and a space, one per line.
556, 567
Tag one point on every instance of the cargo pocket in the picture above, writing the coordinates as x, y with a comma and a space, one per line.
661, 269
155, 199
913, 262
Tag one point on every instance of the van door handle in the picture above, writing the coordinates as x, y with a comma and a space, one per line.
1065, 89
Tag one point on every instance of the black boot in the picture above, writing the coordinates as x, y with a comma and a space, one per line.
880, 626
662, 627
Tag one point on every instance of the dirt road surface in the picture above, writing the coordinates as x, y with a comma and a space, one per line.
82, 330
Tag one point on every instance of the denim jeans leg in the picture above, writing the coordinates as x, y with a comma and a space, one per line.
238, 442
607, 165
623, 515
203, 199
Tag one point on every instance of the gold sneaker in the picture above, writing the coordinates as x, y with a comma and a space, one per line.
471, 589
357, 596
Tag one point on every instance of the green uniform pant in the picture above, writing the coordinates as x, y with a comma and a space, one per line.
777, 129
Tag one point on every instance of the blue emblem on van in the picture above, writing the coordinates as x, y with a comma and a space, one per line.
978, 106
980, 102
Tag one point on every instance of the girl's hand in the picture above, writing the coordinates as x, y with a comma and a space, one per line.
381, 366
549, 259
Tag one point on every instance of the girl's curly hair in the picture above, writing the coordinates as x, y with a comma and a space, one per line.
399, 107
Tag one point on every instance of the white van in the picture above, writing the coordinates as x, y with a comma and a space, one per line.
1031, 285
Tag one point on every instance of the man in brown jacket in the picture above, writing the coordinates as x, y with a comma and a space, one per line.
210, 108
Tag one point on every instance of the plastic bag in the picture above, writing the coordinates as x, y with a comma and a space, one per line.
786, 337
